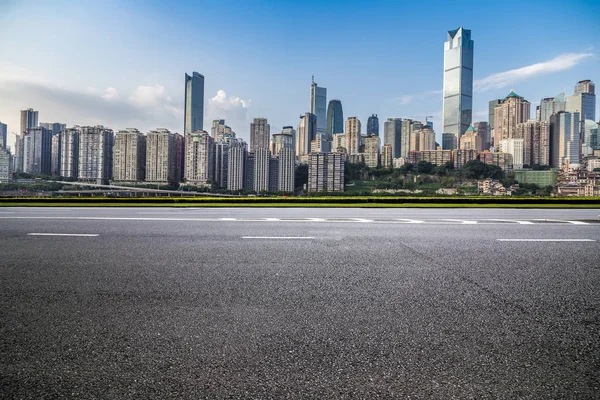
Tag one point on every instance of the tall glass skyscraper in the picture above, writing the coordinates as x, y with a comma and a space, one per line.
458, 82
335, 118
193, 112
373, 125
318, 105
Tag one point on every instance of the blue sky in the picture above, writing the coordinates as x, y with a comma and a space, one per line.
122, 63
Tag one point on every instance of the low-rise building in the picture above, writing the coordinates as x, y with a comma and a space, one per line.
540, 178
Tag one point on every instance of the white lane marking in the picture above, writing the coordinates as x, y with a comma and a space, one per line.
64, 234
316, 219
512, 220
410, 221
578, 222
272, 219
277, 237
546, 240
464, 221
228, 219
362, 220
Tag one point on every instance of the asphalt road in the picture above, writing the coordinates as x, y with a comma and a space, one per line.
299, 303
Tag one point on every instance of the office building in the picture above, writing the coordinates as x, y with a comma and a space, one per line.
199, 160
326, 172
37, 151
193, 111
583, 101
3, 136
69, 153
551, 105
318, 105
564, 139
286, 169
161, 156
95, 154
236, 163
221, 164
590, 137
373, 125
372, 152
449, 141
458, 82
408, 128
260, 134
392, 135
129, 156
307, 132
353, 135
335, 118
513, 110
262, 162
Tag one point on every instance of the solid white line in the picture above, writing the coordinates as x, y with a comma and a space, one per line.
546, 240
277, 237
512, 220
64, 234
464, 221
410, 221
578, 222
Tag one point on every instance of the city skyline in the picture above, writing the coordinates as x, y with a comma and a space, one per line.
154, 96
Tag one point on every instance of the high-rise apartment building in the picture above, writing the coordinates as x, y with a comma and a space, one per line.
408, 128
392, 135
37, 151
55, 156
353, 135
129, 156
289, 130
373, 125
161, 156
236, 162
29, 119
318, 105
372, 152
287, 169
199, 160
471, 140
564, 139
483, 129
5, 165
307, 132
513, 147
458, 82
335, 118
386, 156
69, 153
54, 127
536, 142
281, 140
339, 143
513, 110
260, 134
217, 128
423, 139
326, 172
262, 162
193, 111
249, 172
95, 154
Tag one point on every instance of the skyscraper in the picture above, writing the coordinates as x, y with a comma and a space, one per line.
69, 153
552, 105
3, 136
199, 160
54, 127
260, 134
236, 166
193, 112
513, 110
335, 118
372, 151
37, 151
95, 154
564, 139
392, 135
449, 141
536, 136
318, 105
262, 162
353, 135
458, 82
373, 125
483, 130
129, 156
29, 119
287, 168
306, 134
583, 101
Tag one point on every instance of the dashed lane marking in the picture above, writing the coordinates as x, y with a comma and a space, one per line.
64, 234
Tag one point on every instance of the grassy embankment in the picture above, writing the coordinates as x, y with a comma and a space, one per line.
317, 201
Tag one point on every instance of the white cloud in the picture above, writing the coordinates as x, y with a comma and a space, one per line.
110, 94
504, 79
232, 109
406, 99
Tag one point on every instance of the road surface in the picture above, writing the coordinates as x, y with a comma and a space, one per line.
299, 303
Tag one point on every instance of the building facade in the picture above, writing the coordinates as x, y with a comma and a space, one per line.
392, 135
161, 156
373, 125
564, 139
262, 163
69, 155
458, 82
199, 160
372, 151
326, 172
307, 131
193, 112
260, 134
236, 163
512, 111
353, 135
335, 118
37, 151
318, 105
95, 154
129, 156
286, 170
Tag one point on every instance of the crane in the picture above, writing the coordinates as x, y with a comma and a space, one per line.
421, 117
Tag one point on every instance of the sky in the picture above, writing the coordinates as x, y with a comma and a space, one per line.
121, 64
